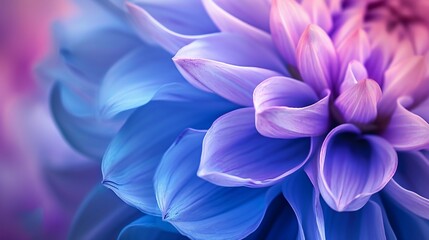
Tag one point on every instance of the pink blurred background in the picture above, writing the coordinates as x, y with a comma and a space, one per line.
39, 191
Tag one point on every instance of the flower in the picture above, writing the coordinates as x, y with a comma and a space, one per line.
319, 103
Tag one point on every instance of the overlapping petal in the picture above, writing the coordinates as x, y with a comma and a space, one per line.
101, 216
408, 186
171, 24
144, 74
197, 208
288, 20
230, 16
208, 65
88, 135
130, 162
317, 59
287, 108
406, 130
150, 228
358, 104
235, 154
353, 166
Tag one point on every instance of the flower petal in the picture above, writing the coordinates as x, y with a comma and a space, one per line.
130, 162
235, 154
353, 166
279, 222
171, 24
402, 79
355, 72
209, 65
230, 16
408, 187
88, 135
305, 202
199, 209
288, 21
367, 223
406, 130
358, 104
151, 228
139, 77
319, 13
287, 108
406, 224
101, 215
317, 59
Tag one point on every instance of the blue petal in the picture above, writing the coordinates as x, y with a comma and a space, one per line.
304, 200
405, 224
101, 216
88, 135
171, 24
199, 209
366, 223
150, 228
279, 222
140, 76
131, 159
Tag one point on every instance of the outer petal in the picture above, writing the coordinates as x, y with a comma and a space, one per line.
87, 134
172, 24
130, 162
406, 130
209, 65
235, 154
358, 104
352, 167
367, 223
230, 16
408, 187
287, 108
317, 59
102, 215
150, 228
141, 76
288, 21
199, 209
305, 201
406, 224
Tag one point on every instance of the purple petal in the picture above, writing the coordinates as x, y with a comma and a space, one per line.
230, 16
406, 130
358, 104
353, 166
287, 108
355, 72
409, 184
197, 208
171, 29
317, 59
209, 65
235, 154
319, 13
288, 21
355, 46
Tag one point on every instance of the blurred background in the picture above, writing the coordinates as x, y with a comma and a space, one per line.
42, 180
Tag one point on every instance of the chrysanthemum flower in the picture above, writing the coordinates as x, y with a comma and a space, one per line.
323, 101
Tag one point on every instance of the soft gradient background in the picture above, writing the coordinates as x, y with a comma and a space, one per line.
42, 180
